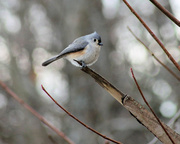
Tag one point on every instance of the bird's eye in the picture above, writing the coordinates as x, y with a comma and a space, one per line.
94, 40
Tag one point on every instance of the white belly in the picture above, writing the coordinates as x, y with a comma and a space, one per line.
89, 56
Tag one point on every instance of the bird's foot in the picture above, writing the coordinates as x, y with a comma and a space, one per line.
81, 63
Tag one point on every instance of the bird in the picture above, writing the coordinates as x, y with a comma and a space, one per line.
83, 51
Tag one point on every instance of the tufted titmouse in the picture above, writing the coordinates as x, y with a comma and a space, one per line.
84, 49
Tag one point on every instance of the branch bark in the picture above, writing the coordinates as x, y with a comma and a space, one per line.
143, 116
150, 106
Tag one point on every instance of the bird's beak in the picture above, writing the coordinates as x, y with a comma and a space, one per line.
100, 44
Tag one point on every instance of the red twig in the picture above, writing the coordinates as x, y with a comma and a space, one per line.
171, 123
150, 107
153, 35
25, 105
153, 55
114, 141
166, 12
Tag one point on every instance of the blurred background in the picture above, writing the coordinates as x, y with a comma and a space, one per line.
33, 31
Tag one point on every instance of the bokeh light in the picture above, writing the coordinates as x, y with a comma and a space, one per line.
162, 89
168, 109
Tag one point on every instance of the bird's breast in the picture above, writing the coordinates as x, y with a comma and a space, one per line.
89, 55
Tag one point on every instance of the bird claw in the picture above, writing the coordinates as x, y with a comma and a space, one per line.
81, 63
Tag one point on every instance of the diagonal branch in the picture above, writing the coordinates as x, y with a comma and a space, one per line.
150, 107
103, 136
142, 115
153, 55
153, 35
36, 114
166, 12
171, 123
117, 94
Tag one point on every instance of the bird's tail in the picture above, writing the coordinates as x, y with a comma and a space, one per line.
51, 60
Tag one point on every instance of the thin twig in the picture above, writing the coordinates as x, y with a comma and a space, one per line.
25, 105
145, 117
52, 140
171, 123
107, 138
150, 107
166, 12
153, 35
153, 55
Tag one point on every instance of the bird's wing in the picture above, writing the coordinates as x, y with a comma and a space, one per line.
76, 46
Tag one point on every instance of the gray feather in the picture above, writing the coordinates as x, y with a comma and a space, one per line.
74, 47
49, 61
77, 45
